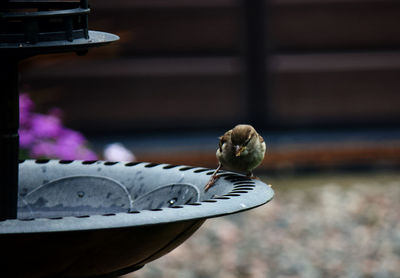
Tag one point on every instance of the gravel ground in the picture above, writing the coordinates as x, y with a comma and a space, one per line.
339, 225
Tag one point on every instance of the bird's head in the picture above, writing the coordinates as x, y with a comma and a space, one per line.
242, 137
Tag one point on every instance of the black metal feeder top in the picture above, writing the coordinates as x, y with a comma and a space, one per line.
37, 27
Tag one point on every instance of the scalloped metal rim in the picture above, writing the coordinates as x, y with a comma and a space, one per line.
245, 194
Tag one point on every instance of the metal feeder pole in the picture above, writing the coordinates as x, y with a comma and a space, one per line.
9, 139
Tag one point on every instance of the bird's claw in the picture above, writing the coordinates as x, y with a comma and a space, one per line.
213, 178
211, 182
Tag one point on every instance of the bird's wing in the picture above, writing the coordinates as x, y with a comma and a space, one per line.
224, 138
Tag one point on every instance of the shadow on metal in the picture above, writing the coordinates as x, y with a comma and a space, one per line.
103, 219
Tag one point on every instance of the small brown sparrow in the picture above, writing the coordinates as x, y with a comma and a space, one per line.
241, 149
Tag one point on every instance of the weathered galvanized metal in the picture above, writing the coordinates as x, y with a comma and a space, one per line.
94, 218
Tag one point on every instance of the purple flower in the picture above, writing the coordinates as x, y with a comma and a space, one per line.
43, 136
25, 103
71, 145
43, 149
45, 126
26, 138
25, 108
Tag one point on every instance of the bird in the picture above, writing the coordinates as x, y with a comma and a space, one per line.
241, 149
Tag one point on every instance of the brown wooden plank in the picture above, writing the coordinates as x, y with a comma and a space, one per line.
336, 88
305, 90
310, 25
196, 28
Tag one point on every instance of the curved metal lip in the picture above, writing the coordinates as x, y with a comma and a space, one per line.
96, 38
64, 12
233, 202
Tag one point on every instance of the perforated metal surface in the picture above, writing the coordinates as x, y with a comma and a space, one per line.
134, 193
94, 218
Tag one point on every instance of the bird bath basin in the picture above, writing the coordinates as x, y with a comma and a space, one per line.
91, 218
95, 218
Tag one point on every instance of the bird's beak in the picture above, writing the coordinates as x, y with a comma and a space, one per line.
239, 150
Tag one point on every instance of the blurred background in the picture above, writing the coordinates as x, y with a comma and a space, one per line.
184, 72
319, 79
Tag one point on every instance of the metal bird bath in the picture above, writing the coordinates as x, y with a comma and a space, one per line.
92, 218
85, 218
